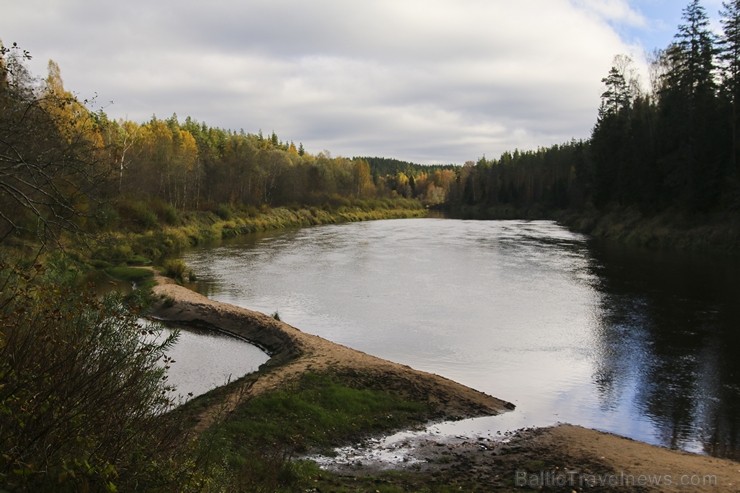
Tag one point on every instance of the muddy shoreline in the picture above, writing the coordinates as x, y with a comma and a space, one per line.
549, 459
561, 458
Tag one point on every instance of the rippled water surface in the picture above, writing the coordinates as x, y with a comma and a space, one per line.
643, 345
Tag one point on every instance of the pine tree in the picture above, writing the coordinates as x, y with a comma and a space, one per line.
611, 138
729, 55
620, 86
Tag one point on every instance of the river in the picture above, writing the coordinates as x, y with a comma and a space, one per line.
636, 343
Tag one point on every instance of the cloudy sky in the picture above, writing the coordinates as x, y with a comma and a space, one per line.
429, 81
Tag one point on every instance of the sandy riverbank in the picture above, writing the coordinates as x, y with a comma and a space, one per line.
532, 456
294, 353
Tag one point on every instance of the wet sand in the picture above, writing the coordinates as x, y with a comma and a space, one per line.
561, 458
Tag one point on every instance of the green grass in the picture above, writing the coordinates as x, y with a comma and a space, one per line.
320, 411
255, 447
144, 239
130, 274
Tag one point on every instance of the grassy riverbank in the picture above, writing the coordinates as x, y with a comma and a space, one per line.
669, 230
146, 235
311, 395
259, 444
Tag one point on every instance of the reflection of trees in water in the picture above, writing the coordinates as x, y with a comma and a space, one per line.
616, 369
670, 329
723, 434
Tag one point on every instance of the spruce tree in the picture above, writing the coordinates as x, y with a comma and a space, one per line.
695, 54
690, 130
729, 56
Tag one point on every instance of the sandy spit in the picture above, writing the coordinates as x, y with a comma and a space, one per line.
294, 353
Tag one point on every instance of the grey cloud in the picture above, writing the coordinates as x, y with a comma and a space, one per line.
423, 80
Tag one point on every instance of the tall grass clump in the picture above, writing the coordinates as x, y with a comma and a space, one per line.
175, 268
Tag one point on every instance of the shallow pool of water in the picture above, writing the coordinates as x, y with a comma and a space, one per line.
204, 360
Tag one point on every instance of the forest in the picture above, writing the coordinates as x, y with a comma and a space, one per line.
84, 399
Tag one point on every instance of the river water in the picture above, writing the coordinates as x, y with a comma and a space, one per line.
640, 344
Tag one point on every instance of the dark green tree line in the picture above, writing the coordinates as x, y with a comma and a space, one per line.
548, 178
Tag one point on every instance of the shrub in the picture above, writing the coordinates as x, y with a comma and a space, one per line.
112, 249
106, 217
138, 214
166, 212
160, 244
82, 393
175, 268
224, 211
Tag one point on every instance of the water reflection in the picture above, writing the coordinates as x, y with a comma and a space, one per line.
629, 342
669, 330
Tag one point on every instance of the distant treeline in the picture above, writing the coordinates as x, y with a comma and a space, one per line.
383, 166
675, 146
429, 183
526, 182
